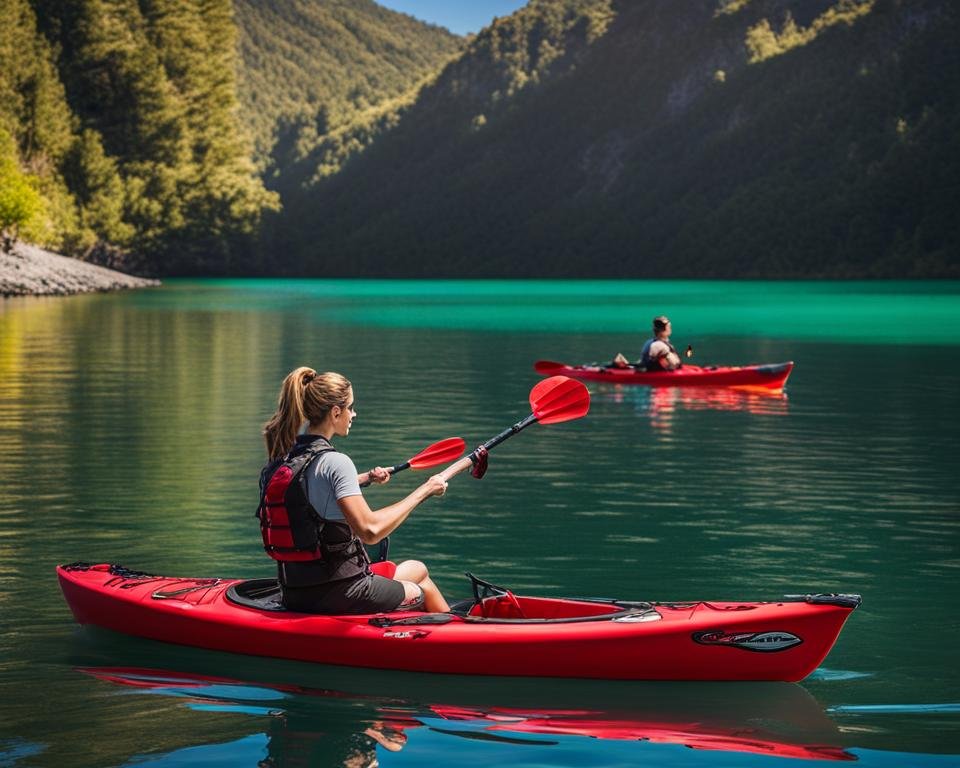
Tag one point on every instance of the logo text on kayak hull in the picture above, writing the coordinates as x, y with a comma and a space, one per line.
763, 642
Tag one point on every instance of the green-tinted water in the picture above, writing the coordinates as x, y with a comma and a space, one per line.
129, 431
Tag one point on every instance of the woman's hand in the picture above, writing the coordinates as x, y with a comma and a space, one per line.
378, 475
435, 486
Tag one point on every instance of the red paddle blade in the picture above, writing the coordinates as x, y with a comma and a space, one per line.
445, 451
559, 398
548, 367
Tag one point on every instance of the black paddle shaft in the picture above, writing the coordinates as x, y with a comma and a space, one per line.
493, 442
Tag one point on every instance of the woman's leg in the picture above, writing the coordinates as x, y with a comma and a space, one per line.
416, 572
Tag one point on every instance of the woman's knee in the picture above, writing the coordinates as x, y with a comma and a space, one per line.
411, 570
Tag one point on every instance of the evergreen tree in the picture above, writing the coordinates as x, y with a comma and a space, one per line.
95, 181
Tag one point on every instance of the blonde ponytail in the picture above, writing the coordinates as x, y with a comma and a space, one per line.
305, 396
280, 433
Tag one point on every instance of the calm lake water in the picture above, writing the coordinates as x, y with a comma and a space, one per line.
129, 432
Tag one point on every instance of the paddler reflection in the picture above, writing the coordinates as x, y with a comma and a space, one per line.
305, 744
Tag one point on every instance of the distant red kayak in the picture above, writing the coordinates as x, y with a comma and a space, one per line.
766, 378
495, 633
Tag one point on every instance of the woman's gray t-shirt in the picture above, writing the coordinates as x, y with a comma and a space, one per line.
330, 477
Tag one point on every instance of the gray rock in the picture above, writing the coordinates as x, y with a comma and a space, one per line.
32, 271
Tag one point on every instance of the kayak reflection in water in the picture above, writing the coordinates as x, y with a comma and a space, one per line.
313, 516
658, 353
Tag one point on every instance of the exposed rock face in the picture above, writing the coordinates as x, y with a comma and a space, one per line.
31, 271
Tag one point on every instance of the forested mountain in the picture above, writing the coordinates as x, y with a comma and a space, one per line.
310, 67
635, 138
649, 138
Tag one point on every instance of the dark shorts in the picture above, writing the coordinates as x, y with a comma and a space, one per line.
366, 594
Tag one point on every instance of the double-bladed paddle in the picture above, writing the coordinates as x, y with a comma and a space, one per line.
438, 453
552, 401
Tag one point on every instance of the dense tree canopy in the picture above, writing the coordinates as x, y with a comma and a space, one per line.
126, 113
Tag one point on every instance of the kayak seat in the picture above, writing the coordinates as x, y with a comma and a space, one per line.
505, 606
262, 594
493, 602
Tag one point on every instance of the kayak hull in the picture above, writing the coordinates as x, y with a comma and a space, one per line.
782, 641
758, 378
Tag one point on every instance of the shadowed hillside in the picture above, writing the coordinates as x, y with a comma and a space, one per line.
647, 138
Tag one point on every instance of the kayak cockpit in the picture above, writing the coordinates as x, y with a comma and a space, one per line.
546, 610
490, 604
497, 604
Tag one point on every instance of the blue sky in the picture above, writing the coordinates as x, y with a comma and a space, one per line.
460, 16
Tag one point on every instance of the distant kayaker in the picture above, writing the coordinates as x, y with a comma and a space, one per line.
313, 516
658, 353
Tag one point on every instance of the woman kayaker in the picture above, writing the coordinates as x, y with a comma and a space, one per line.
313, 516
658, 353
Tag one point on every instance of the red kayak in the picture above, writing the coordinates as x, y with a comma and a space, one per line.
495, 633
758, 378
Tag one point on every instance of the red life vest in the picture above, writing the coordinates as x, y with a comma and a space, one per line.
293, 531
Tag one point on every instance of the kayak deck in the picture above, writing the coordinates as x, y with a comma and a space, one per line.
495, 634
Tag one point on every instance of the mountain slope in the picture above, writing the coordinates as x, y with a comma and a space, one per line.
647, 138
309, 66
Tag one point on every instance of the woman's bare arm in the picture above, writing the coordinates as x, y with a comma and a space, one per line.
373, 525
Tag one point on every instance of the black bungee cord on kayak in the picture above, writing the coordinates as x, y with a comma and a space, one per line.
115, 569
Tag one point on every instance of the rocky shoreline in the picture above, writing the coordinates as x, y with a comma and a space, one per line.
32, 271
